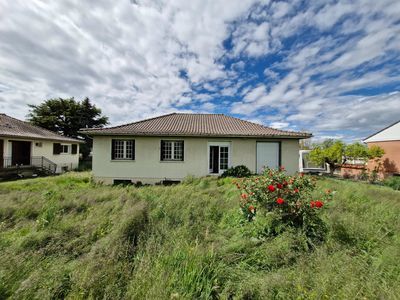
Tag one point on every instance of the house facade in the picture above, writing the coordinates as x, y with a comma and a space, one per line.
171, 147
389, 140
23, 145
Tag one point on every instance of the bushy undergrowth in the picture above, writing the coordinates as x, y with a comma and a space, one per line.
393, 182
240, 171
64, 237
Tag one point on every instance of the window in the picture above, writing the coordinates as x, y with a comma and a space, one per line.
74, 149
65, 149
123, 149
223, 158
172, 150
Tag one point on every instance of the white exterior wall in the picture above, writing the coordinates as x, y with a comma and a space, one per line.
391, 133
71, 161
148, 168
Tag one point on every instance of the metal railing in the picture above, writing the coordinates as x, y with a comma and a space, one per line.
39, 162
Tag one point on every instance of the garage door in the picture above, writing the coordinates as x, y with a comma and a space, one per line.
267, 155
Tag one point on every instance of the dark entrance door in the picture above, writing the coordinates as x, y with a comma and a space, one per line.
214, 159
21, 153
1, 154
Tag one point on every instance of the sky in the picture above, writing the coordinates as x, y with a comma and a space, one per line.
327, 67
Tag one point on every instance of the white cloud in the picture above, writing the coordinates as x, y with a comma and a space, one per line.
251, 39
121, 54
287, 63
280, 9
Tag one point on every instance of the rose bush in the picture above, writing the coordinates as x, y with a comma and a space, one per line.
291, 200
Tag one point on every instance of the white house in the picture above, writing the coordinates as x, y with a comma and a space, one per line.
23, 145
173, 146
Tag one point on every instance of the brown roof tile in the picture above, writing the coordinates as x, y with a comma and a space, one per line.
178, 124
12, 127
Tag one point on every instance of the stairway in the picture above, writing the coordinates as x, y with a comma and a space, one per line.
38, 166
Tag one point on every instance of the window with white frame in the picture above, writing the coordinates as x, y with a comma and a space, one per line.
172, 150
223, 158
123, 149
64, 149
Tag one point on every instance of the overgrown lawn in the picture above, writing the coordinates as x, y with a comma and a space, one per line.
64, 237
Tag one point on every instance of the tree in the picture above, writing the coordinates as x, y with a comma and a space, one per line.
66, 117
336, 152
329, 152
356, 151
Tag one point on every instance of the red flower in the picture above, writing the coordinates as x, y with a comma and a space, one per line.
244, 196
319, 203
296, 190
312, 204
271, 188
279, 186
280, 201
252, 209
285, 183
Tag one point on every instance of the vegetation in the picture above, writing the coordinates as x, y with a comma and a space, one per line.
64, 237
336, 152
393, 182
283, 203
67, 117
240, 171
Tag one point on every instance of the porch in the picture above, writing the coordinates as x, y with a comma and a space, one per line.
32, 166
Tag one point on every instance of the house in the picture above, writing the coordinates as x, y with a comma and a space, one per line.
389, 140
173, 146
25, 146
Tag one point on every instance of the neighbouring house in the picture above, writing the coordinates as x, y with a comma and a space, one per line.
389, 140
25, 147
171, 147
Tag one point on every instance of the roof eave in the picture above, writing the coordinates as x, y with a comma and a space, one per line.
70, 140
155, 134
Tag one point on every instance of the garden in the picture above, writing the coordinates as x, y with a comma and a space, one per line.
272, 236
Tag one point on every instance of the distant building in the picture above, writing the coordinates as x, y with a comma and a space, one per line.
24, 146
389, 140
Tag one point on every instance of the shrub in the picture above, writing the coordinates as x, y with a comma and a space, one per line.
364, 176
238, 172
393, 182
288, 199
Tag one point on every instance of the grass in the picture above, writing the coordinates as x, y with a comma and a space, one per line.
393, 182
64, 237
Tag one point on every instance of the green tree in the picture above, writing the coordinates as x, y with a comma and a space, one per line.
329, 152
356, 151
67, 116
336, 152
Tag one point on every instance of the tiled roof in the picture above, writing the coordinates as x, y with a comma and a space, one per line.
177, 124
12, 127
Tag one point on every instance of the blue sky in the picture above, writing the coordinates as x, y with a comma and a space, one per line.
328, 67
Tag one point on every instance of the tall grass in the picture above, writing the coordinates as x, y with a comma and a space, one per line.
64, 237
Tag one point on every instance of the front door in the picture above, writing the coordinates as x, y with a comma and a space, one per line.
219, 158
20, 153
267, 155
1, 154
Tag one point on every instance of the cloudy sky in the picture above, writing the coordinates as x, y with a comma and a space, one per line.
329, 67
